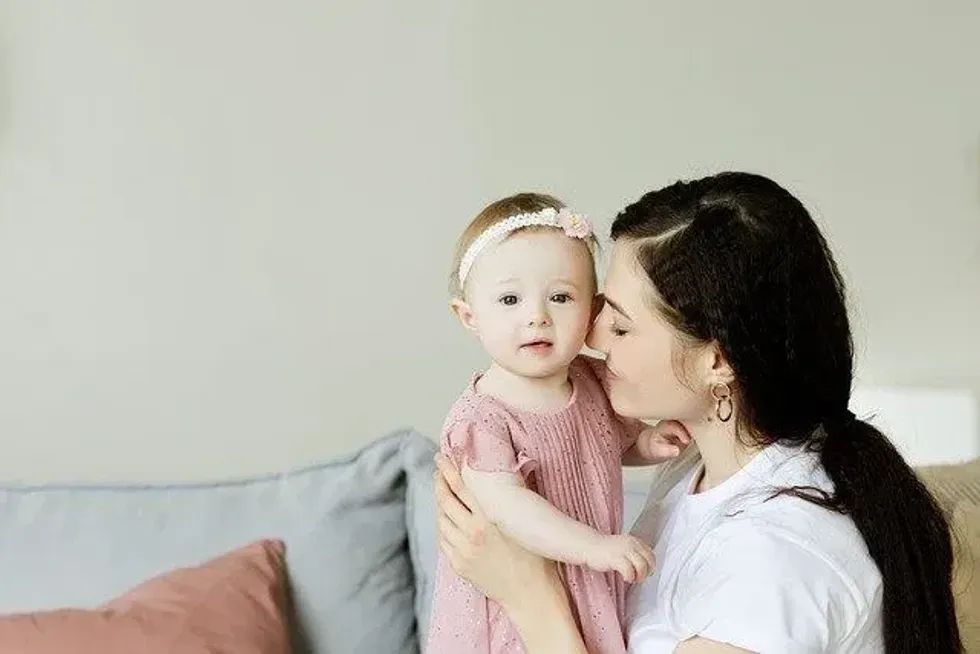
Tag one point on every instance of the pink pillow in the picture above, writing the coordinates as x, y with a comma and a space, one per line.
233, 604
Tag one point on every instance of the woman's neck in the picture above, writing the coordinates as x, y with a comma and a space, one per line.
722, 452
528, 393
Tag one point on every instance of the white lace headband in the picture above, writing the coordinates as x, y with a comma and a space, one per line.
573, 224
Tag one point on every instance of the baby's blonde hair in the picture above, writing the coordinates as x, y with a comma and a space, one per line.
498, 211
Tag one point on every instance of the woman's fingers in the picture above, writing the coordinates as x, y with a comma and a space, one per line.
457, 504
448, 503
452, 536
450, 474
453, 557
455, 482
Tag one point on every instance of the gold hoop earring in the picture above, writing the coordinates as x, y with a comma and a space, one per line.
724, 408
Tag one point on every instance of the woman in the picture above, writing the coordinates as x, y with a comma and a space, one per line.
792, 526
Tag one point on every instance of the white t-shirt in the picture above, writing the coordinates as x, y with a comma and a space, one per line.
775, 576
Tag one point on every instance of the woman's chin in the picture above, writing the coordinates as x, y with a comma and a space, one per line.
622, 406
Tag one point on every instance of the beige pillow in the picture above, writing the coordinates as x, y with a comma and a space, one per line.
966, 572
957, 489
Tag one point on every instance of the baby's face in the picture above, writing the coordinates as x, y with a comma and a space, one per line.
531, 299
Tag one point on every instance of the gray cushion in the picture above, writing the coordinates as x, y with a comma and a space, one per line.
343, 524
422, 531
421, 517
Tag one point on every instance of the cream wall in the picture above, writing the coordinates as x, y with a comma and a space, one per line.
225, 225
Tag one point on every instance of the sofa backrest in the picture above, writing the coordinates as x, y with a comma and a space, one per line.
343, 524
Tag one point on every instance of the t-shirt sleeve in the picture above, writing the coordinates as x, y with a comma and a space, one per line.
484, 444
628, 429
762, 591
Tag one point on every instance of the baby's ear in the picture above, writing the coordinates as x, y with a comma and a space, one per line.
463, 313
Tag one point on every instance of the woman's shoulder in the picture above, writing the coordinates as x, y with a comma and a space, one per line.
793, 530
788, 535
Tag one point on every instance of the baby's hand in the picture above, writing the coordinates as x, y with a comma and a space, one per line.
627, 555
663, 441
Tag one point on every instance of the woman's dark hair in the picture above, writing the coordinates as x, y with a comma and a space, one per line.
736, 259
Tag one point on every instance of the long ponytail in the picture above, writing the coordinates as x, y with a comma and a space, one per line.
906, 533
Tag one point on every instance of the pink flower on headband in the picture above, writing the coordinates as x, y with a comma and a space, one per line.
575, 225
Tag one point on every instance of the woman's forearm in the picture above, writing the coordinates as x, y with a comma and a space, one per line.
544, 618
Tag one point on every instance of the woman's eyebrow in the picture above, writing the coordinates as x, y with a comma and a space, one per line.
617, 307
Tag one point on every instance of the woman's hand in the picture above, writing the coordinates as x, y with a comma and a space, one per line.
476, 549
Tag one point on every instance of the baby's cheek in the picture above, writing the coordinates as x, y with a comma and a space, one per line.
582, 324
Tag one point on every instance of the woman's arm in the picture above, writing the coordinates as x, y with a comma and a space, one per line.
544, 618
526, 585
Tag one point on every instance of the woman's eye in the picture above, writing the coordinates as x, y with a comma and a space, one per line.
509, 300
617, 331
561, 298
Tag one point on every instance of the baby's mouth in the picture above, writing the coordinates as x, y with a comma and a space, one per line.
537, 345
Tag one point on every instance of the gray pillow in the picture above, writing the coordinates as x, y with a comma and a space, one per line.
343, 523
420, 517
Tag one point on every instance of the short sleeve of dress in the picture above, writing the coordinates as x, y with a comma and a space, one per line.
629, 429
483, 444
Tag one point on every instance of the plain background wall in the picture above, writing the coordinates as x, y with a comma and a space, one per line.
225, 226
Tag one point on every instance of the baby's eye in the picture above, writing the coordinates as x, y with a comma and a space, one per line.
561, 298
509, 299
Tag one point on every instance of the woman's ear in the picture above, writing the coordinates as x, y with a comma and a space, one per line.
464, 313
716, 369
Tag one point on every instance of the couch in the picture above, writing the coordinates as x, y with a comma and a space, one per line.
358, 534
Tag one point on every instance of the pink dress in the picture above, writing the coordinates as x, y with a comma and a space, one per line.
573, 458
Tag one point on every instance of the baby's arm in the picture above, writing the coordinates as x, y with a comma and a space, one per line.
656, 444
541, 528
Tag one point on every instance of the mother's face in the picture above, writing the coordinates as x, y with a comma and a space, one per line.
654, 373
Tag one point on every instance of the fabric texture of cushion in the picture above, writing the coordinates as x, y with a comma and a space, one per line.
957, 488
233, 604
966, 577
343, 523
